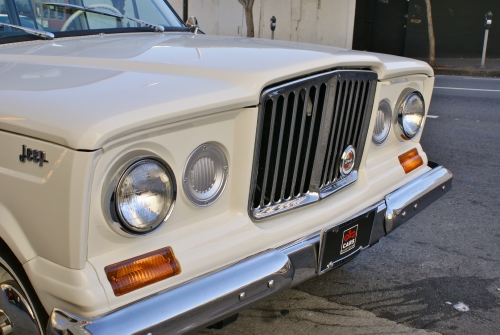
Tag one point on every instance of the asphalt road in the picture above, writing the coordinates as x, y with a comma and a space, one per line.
411, 280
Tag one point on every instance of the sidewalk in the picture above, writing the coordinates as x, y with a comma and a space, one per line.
467, 67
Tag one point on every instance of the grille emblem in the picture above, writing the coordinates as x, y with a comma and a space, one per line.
347, 160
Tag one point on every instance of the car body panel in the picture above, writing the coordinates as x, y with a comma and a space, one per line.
55, 226
139, 81
207, 239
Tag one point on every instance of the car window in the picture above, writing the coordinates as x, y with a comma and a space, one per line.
62, 19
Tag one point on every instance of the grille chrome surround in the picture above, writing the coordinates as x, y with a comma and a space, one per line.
303, 128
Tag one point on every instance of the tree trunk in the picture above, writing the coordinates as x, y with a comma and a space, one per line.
432, 40
248, 7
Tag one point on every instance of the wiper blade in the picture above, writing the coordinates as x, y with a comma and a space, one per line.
36, 32
156, 27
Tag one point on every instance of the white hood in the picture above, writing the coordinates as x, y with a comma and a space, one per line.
81, 92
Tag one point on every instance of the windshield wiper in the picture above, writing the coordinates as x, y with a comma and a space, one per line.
36, 32
156, 27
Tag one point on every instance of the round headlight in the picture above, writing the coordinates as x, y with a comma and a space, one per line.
411, 112
145, 196
383, 122
205, 174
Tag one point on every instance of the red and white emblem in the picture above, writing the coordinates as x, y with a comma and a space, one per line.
347, 160
349, 239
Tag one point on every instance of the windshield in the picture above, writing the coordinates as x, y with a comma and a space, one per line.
63, 20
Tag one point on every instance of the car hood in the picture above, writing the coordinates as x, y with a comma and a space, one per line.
82, 92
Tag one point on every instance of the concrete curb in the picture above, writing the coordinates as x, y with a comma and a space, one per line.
467, 71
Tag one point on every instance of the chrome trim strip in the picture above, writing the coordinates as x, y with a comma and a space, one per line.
217, 295
260, 213
339, 184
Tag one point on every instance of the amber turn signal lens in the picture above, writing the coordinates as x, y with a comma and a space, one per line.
410, 160
140, 271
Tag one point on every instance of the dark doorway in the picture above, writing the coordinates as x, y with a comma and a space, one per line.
380, 26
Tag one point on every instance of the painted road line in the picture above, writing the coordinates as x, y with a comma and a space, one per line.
480, 78
432, 116
466, 89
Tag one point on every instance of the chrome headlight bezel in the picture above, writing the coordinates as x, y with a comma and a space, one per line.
383, 123
406, 95
217, 158
110, 205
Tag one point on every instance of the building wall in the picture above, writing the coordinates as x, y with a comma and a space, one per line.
458, 27
328, 22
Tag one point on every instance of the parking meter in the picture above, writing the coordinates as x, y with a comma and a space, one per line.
489, 19
273, 26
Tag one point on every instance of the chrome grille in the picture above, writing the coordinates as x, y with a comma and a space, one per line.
304, 127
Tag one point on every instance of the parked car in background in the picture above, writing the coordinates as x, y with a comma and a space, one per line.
158, 180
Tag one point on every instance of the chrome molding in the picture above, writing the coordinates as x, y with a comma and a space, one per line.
318, 116
340, 184
306, 199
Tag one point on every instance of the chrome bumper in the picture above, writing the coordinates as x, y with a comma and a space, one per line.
221, 294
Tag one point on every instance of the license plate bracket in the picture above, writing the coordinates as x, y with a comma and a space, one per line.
341, 243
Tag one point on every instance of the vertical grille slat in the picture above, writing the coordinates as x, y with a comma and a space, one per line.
301, 137
303, 131
280, 142
310, 139
366, 91
355, 115
338, 132
332, 136
350, 114
273, 117
290, 143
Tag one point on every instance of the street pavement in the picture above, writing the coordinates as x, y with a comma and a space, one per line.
446, 256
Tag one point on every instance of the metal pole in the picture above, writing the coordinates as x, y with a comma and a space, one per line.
185, 10
485, 44
487, 25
